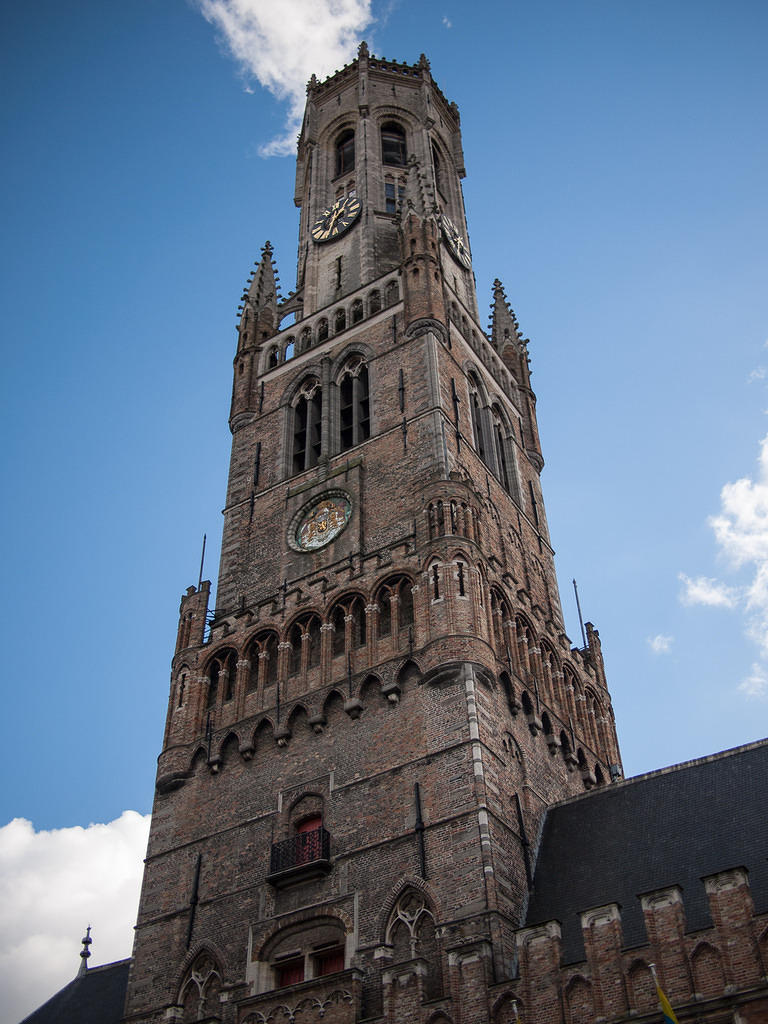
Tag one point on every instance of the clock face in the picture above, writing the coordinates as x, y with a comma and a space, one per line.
455, 242
337, 219
322, 522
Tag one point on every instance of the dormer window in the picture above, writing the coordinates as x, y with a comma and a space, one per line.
345, 152
393, 144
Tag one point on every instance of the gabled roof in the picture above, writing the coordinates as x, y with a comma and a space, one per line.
671, 827
95, 997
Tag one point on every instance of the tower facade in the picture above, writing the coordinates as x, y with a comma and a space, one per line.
363, 735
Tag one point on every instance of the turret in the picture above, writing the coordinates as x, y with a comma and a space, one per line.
513, 349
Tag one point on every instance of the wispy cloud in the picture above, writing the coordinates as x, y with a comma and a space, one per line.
741, 533
704, 590
660, 644
53, 884
281, 45
447, 23
755, 685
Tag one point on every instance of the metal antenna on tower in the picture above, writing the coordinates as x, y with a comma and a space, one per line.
581, 621
202, 559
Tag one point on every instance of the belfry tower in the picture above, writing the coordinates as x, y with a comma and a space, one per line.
363, 735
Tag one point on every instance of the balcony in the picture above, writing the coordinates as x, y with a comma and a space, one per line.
303, 856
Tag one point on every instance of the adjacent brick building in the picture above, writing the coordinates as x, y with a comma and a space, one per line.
390, 787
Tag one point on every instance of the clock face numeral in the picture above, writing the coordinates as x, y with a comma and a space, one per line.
336, 219
455, 242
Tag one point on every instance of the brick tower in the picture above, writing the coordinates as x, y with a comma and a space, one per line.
363, 736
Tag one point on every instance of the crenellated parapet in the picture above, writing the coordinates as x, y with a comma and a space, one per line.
712, 973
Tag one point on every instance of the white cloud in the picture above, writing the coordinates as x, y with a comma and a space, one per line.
447, 23
282, 44
660, 644
703, 590
53, 884
756, 683
759, 373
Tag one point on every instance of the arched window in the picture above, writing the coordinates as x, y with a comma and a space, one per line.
357, 611
338, 619
289, 347
393, 144
273, 358
437, 164
221, 676
385, 612
395, 602
314, 635
499, 615
296, 649
500, 442
354, 404
307, 426
392, 293
357, 311
270, 650
345, 152
262, 655
374, 302
309, 626
311, 949
322, 330
340, 321
305, 339
476, 415
199, 995
410, 932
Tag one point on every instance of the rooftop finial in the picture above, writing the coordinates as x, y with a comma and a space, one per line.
85, 951
362, 50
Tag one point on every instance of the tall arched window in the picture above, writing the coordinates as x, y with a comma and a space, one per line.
439, 172
500, 444
395, 603
354, 405
345, 152
222, 672
357, 610
262, 655
322, 330
307, 426
338, 619
309, 626
476, 414
199, 995
393, 144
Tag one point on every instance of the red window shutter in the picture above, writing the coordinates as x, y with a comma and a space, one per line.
329, 962
290, 973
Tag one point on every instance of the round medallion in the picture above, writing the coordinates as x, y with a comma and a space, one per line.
321, 522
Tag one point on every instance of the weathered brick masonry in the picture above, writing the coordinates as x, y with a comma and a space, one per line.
363, 742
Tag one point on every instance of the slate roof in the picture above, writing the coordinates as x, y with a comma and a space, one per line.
671, 827
96, 997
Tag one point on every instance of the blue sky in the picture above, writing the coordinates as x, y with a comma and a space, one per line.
617, 160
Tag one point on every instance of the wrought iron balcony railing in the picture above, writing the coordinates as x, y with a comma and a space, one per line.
304, 854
